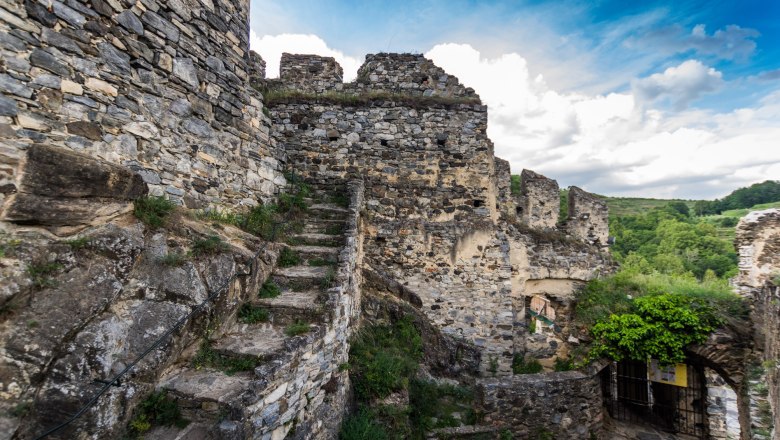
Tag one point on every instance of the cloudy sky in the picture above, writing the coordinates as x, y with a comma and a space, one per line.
634, 98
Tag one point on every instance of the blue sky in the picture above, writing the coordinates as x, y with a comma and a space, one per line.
698, 76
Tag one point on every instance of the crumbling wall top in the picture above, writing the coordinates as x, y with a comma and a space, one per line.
539, 201
310, 73
588, 216
758, 242
409, 73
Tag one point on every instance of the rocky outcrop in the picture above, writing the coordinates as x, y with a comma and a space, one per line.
86, 192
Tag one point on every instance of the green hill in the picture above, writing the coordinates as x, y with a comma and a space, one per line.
622, 206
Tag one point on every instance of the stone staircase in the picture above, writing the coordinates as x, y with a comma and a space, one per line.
245, 404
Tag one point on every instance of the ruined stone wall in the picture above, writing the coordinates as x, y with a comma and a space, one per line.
159, 87
758, 243
588, 217
409, 74
310, 73
538, 204
434, 191
566, 405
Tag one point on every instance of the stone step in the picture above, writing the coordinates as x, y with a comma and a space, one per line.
308, 253
324, 226
193, 431
292, 307
263, 341
316, 239
327, 211
300, 278
207, 398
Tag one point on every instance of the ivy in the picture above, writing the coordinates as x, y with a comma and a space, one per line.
658, 327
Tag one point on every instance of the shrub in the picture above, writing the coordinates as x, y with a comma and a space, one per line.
298, 328
522, 366
340, 199
213, 244
661, 328
319, 262
153, 210
249, 314
269, 290
157, 409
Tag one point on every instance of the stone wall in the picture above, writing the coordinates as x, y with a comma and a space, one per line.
588, 218
566, 405
433, 195
159, 87
310, 73
539, 202
409, 74
758, 243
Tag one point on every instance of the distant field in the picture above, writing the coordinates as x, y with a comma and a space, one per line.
727, 232
620, 206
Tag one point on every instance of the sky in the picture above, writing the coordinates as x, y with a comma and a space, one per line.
665, 99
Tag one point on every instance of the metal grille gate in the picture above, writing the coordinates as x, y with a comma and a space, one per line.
631, 397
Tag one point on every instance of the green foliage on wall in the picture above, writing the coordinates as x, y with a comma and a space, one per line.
658, 327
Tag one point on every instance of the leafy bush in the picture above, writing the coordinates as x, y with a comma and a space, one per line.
269, 290
434, 406
153, 210
157, 409
660, 328
384, 358
521, 365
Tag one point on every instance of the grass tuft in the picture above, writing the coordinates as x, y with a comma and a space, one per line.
173, 259
521, 365
41, 274
210, 358
269, 290
211, 245
77, 243
288, 257
249, 314
298, 328
157, 409
153, 210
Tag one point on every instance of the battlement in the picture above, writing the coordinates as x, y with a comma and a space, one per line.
310, 73
539, 201
409, 74
588, 216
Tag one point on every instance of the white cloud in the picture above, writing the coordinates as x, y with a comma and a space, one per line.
680, 84
271, 47
618, 144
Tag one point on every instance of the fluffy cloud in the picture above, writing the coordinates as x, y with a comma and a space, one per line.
271, 47
618, 143
679, 84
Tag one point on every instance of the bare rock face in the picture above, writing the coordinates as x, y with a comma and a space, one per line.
67, 191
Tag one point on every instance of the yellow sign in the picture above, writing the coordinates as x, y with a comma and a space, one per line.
675, 374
